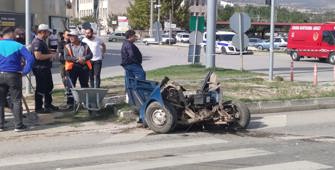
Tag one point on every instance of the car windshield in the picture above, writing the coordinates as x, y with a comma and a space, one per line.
224, 37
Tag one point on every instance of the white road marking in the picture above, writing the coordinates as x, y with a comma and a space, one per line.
108, 150
178, 160
302, 165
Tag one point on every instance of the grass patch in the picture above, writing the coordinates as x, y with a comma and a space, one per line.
236, 85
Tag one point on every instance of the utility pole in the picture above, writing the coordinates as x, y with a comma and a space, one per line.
159, 11
28, 40
272, 27
170, 21
151, 16
211, 32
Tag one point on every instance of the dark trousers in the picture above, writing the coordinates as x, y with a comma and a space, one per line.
12, 83
95, 74
81, 73
44, 86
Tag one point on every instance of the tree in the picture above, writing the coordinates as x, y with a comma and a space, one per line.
76, 21
180, 12
112, 18
139, 14
89, 18
224, 13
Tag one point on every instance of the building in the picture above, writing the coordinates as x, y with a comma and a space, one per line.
198, 7
50, 12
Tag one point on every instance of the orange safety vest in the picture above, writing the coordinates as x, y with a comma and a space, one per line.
69, 64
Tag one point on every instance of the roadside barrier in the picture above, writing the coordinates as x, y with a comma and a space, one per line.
292, 71
315, 79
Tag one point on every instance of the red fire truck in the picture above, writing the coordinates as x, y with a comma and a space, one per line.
314, 40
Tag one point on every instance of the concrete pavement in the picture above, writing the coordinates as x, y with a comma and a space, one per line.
301, 140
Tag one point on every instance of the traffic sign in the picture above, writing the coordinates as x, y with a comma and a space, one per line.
236, 41
195, 38
201, 23
238, 18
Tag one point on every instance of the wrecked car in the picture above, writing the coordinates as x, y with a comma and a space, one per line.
165, 105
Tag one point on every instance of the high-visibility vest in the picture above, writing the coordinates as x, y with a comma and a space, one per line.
69, 64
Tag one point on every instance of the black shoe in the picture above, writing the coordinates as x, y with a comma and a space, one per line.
52, 108
39, 110
21, 128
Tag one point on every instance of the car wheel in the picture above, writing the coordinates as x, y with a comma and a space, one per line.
331, 58
223, 50
260, 47
160, 119
146, 43
295, 56
114, 40
242, 115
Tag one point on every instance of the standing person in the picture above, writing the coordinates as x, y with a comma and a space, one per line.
132, 57
98, 48
61, 45
77, 61
11, 56
53, 40
42, 71
131, 61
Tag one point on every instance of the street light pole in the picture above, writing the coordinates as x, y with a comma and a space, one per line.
28, 40
151, 16
159, 11
272, 27
211, 31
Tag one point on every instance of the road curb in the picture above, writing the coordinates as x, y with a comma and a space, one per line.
273, 106
291, 105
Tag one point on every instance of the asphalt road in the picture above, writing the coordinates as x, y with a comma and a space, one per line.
297, 140
157, 56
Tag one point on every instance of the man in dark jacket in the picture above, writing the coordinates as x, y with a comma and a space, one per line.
131, 62
42, 71
132, 57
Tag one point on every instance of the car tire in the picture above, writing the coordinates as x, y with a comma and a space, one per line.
146, 43
223, 50
331, 58
295, 56
260, 47
114, 40
160, 119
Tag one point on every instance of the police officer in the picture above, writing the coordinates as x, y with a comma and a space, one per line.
42, 70
77, 60
11, 56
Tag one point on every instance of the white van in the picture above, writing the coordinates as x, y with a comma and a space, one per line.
223, 43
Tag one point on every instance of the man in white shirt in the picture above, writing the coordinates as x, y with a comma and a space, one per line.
98, 48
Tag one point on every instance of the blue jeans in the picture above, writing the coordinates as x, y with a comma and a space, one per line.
133, 71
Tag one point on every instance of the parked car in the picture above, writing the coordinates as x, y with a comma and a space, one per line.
254, 41
278, 43
183, 37
166, 39
149, 40
116, 36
